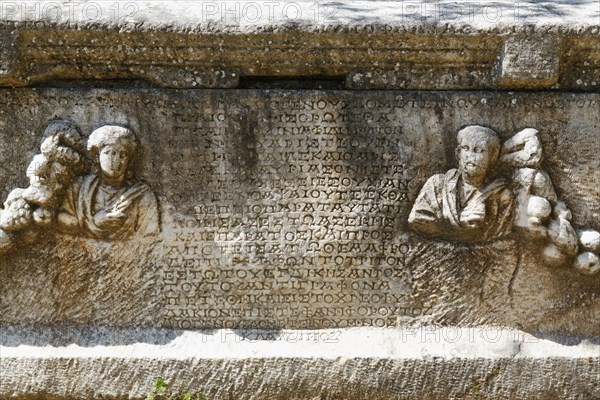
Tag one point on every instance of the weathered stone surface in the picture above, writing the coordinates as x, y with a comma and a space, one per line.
530, 62
300, 181
370, 45
8, 46
407, 363
290, 209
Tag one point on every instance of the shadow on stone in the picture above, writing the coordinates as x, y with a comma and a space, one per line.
85, 335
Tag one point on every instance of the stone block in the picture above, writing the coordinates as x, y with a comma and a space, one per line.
297, 200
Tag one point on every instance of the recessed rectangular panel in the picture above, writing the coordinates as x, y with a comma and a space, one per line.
300, 209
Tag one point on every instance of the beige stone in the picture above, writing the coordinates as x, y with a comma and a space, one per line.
588, 263
375, 200
589, 240
308, 219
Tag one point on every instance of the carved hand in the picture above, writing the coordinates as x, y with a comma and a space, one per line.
109, 220
472, 219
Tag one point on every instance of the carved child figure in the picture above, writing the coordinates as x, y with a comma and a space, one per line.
49, 173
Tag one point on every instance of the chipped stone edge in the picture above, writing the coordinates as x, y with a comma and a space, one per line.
408, 342
378, 362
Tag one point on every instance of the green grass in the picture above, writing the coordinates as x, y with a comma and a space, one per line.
161, 390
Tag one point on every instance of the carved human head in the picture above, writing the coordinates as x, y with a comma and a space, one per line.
477, 152
113, 148
47, 181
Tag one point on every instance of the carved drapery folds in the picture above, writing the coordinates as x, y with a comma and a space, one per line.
470, 204
89, 193
88, 189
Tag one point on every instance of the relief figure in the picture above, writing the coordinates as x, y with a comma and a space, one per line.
110, 203
469, 203
499, 189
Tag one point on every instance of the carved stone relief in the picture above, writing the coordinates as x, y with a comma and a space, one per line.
498, 189
469, 203
93, 194
303, 209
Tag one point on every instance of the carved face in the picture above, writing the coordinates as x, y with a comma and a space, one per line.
476, 155
114, 160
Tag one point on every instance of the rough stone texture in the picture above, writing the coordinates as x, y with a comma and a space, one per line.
281, 378
406, 363
530, 62
166, 170
7, 56
290, 208
378, 44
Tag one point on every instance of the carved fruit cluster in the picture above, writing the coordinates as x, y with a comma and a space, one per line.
50, 173
541, 215
588, 260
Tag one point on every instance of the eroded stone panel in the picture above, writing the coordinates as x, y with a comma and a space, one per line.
8, 45
291, 209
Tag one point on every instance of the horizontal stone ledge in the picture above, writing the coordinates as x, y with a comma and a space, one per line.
370, 44
404, 363
366, 342
257, 16
424, 61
